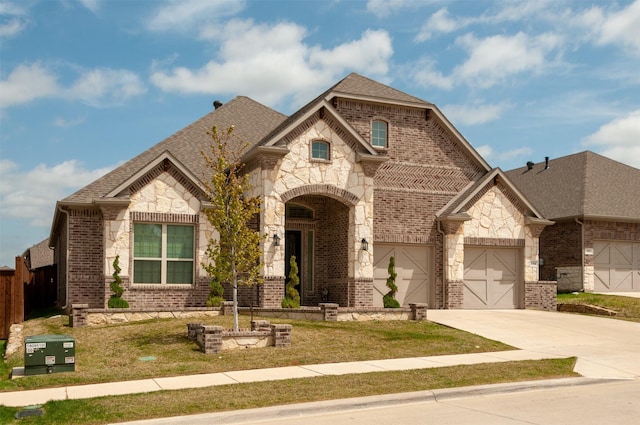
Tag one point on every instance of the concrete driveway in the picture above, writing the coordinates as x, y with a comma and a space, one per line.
605, 348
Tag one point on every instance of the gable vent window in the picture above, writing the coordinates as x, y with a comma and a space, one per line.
320, 150
379, 134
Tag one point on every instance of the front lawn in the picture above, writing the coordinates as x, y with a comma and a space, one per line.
122, 352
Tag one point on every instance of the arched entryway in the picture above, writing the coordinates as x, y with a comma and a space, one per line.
317, 234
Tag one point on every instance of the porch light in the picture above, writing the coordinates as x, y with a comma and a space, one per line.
276, 240
365, 244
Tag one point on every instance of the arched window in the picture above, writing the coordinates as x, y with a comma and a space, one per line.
379, 134
320, 150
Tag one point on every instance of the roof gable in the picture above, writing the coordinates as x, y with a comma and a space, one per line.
581, 185
458, 204
252, 121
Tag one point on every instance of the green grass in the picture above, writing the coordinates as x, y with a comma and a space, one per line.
627, 308
243, 396
112, 353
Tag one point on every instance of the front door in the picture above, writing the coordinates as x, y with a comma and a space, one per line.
293, 246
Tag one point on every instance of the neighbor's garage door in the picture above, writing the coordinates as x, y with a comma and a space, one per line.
491, 278
617, 266
413, 267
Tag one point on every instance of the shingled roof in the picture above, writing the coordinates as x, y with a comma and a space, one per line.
584, 185
252, 122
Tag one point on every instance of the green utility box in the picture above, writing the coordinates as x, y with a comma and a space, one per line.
49, 354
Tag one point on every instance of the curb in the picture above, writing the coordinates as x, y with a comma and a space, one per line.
341, 405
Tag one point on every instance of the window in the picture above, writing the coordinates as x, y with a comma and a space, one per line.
163, 253
379, 134
320, 150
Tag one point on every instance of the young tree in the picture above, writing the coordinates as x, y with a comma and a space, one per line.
235, 257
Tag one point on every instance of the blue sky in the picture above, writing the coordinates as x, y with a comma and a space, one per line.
87, 84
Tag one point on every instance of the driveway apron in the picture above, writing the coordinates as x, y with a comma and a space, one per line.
605, 348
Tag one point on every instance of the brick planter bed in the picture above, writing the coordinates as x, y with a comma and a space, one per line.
213, 339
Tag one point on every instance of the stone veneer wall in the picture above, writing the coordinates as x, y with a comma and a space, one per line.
163, 197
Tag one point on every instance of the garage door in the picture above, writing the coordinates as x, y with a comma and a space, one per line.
491, 278
413, 266
617, 266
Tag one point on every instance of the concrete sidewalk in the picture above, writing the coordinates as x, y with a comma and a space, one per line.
33, 397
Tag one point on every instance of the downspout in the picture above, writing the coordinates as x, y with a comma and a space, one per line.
66, 262
581, 251
444, 263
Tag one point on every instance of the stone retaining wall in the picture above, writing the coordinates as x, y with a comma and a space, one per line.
213, 339
81, 315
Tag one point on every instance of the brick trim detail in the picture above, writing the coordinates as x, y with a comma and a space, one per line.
494, 242
331, 191
164, 217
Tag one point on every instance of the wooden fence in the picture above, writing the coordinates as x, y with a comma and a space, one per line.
23, 291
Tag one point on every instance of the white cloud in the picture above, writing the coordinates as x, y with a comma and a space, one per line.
92, 5
63, 122
271, 62
13, 19
383, 8
423, 73
31, 195
474, 113
485, 151
96, 87
623, 27
185, 15
100, 87
440, 22
619, 139
26, 83
514, 153
494, 59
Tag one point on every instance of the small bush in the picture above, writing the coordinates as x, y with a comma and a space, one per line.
389, 299
116, 300
216, 293
291, 296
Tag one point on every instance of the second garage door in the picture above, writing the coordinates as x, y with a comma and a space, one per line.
413, 267
491, 278
617, 266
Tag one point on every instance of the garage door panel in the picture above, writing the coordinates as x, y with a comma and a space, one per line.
616, 266
412, 265
490, 278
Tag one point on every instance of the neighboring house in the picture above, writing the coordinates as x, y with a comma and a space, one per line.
359, 174
595, 202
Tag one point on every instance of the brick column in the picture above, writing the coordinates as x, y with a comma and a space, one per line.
329, 312
211, 339
418, 311
541, 295
193, 329
79, 315
455, 294
281, 335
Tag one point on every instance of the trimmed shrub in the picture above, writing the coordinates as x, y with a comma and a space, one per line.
291, 296
216, 293
389, 299
116, 300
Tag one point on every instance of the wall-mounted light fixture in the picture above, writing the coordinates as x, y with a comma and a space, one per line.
276, 239
364, 244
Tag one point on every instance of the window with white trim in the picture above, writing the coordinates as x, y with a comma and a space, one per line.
379, 134
320, 150
163, 253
